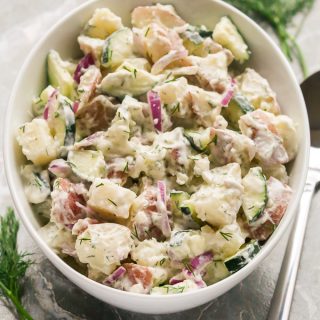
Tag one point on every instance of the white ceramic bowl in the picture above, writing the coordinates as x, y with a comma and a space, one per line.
267, 59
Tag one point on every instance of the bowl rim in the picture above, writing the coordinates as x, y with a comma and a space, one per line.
73, 275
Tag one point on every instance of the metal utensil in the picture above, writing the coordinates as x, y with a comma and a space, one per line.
282, 298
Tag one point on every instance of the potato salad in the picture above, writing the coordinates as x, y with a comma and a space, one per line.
157, 159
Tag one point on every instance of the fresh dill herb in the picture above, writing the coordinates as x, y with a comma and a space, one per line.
168, 75
176, 108
146, 33
80, 90
135, 233
112, 202
84, 239
23, 128
99, 185
71, 164
13, 264
171, 80
56, 114
226, 235
91, 256
148, 233
215, 140
279, 14
135, 72
188, 267
162, 261
38, 181
126, 68
126, 167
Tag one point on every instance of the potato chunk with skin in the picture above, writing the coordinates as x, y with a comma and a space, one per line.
104, 245
37, 142
102, 23
161, 14
109, 199
258, 91
219, 201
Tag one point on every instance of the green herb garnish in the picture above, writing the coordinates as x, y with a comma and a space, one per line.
13, 264
112, 202
146, 33
126, 168
84, 239
99, 185
226, 235
279, 14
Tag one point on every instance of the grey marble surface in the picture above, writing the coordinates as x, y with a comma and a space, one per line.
49, 295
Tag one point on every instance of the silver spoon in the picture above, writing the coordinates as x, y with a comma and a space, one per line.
282, 297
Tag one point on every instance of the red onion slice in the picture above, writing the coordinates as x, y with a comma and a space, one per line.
84, 63
170, 57
229, 94
201, 260
116, 275
162, 191
155, 106
51, 101
75, 106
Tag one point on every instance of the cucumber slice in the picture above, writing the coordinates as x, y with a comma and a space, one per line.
87, 164
181, 208
177, 198
255, 194
227, 34
199, 140
58, 74
242, 257
215, 271
238, 106
118, 47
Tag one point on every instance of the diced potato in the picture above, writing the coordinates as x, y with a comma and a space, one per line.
224, 242
102, 23
219, 202
110, 200
37, 184
151, 253
87, 164
102, 246
91, 45
37, 142
133, 82
258, 91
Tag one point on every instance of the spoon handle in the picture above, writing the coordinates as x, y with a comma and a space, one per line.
282, 297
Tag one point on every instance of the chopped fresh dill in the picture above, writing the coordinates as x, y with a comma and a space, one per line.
13, 264
147, 31
99, 185
112, 202
126, 168
226, 235
84, 239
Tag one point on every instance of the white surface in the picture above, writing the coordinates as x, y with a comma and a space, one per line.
17, 40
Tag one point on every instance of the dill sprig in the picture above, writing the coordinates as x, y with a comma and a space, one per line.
279, 14
13, 264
